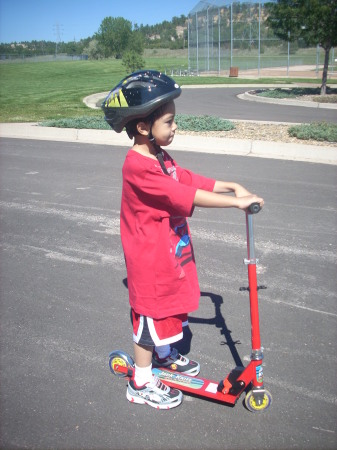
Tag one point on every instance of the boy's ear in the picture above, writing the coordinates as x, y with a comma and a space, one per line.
143, 128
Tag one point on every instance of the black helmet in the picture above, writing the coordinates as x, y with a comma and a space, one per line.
137, 96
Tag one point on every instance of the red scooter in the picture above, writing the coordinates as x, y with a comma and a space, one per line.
239, 379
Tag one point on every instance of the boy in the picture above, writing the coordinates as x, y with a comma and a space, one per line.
157, 197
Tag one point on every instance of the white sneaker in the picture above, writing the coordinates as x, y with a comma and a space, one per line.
155, 394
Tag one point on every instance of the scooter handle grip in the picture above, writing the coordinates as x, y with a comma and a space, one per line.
254, 208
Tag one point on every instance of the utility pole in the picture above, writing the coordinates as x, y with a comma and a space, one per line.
58, 32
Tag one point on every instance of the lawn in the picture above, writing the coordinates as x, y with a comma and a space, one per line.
32, 92
38, 91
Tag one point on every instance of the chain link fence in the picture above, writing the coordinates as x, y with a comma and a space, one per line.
223, 35
40, 58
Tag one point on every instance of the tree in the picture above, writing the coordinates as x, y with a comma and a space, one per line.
136, 42
133, 56
313, 20
93, 50
133, 61
113, 36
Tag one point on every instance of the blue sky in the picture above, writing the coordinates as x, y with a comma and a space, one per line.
27, 20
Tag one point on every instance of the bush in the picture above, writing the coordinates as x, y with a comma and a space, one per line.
288, 92
315, 131
85, 122
298, 92
184, 122
203, 123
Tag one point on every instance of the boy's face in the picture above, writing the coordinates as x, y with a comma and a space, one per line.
164, 127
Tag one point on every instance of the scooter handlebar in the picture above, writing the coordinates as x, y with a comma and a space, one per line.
254, 208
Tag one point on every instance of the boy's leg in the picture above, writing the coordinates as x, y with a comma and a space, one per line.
143, 354
143, 364
165, 356
145, 388
184, 345
162, 351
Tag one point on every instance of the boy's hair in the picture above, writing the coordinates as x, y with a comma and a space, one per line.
131, 127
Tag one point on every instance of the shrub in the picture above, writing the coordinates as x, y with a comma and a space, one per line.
315, 131
85, 122
203, 123
288, 92
184, 122
298, 92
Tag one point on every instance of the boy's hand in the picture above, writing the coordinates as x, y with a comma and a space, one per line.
244, 202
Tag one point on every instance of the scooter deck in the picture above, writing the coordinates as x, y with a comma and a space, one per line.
194, 385
226, 391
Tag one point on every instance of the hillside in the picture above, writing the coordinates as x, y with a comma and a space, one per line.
168, 34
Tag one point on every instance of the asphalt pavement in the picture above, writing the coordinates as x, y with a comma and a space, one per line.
229, 103
64, 305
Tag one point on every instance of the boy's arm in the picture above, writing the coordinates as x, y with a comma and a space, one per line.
226, 186
213, 199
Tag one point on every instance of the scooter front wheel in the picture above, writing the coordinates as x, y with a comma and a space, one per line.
258, 406
119, 359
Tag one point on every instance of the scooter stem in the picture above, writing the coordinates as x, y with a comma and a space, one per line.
252, 280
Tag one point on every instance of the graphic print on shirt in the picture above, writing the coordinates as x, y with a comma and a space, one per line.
181, 244
172, 171
181, 231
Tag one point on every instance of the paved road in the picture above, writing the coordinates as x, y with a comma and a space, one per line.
223, 102
64, 306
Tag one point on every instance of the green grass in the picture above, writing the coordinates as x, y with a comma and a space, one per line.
33, 92
39, 91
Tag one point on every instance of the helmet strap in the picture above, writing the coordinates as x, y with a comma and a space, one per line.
160, 158
151, 138
159, 154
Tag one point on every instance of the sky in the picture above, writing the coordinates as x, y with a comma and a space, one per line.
69, 20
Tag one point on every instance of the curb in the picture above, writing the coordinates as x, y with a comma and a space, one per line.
307, 104
197, 144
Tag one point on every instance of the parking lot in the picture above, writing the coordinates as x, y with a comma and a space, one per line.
64, 304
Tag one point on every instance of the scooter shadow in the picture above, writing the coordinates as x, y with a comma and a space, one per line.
184, 346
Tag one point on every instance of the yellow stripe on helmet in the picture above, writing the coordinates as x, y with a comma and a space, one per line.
116, 99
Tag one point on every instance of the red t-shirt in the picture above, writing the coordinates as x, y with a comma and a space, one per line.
162, 276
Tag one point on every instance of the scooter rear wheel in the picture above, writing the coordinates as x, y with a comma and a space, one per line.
253, 406
117, 359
